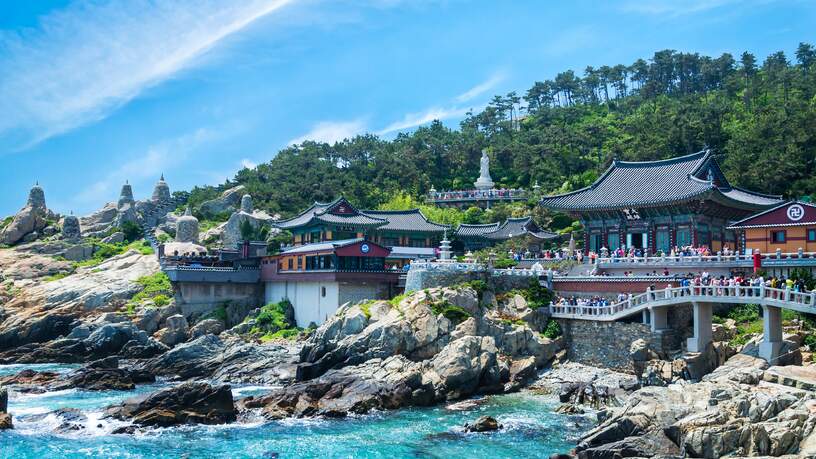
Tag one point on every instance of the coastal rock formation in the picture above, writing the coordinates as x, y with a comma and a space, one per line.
103, 374
434, 345
483, 424
47, 310
5, 418
189, 403
175, 332
228, 202
732, 412
414, 330
30, 219
144, 213
206, 327
230, 359
70, 228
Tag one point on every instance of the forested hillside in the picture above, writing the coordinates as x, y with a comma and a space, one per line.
759, 116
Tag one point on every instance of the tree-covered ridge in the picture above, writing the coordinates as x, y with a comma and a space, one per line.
760, 119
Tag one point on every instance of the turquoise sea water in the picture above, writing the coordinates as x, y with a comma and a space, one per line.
531, 429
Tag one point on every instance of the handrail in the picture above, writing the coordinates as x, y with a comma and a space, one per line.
758, 294
668, 259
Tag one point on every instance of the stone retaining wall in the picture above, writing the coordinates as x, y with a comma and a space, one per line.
603, 344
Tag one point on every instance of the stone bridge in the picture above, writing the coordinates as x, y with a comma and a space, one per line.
653, 306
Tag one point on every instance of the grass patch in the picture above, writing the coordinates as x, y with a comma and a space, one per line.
271, 322
58, 276
365, 306
451, 312
398, 299
6, 222
288, 333
219, 313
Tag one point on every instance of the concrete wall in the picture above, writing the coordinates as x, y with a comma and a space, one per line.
313, 301
196, 299
354, 293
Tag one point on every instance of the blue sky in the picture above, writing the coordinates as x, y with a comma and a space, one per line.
93, 93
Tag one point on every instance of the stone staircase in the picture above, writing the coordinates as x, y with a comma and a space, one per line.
150, 221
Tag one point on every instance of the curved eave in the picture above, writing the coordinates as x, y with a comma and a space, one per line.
653, 203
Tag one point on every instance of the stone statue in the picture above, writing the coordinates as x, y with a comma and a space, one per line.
36, 197
246, 204
484, 181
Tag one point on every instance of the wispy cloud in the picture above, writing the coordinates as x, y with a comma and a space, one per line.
332, 131
84, 61
413, 120
159, 158
481, 88
248, 163
673, 7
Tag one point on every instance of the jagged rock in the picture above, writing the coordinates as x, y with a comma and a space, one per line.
207, 327
227, 360
18, 266
71, 420
231, 235
103, 374
3, 399
227, 202
137, 350
5, 421
483, 424
100, 220
29, 380
115, 238
175, 331
189, 403
110, 338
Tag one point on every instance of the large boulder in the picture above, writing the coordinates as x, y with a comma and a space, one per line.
175, 331
228, 202
189, 403
103, 374
207, 327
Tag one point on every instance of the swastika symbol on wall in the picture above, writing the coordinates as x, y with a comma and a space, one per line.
796, 212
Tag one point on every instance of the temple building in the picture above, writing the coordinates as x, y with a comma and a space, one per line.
656, 205
475, 237
788, 228
340, 220
317, 278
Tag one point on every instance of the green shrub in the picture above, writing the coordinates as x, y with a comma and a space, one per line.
131, 230
273, 317
810, 341
451, 312
504, 263
744, 313
57, 276
153, 286
553, 330
536, 295
717, 319
6, 222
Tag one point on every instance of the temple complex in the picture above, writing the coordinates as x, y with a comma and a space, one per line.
653, 206
787, 228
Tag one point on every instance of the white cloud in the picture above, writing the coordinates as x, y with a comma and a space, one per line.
673, 7
481, 88
413, 120
248, 163
331, 131
143, 171
84, 61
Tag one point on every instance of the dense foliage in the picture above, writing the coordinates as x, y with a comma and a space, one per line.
563, 133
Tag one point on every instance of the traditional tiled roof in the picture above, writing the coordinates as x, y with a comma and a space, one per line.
780, 216
512, 227
321, 246
337, 212
628, 184
466, 230
406, 220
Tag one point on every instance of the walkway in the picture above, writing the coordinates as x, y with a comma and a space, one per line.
653, 306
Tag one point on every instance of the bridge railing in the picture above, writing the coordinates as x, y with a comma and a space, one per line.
738, 293
717, 258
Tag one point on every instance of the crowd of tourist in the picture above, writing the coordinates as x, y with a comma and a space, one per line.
500, 193
703, 283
